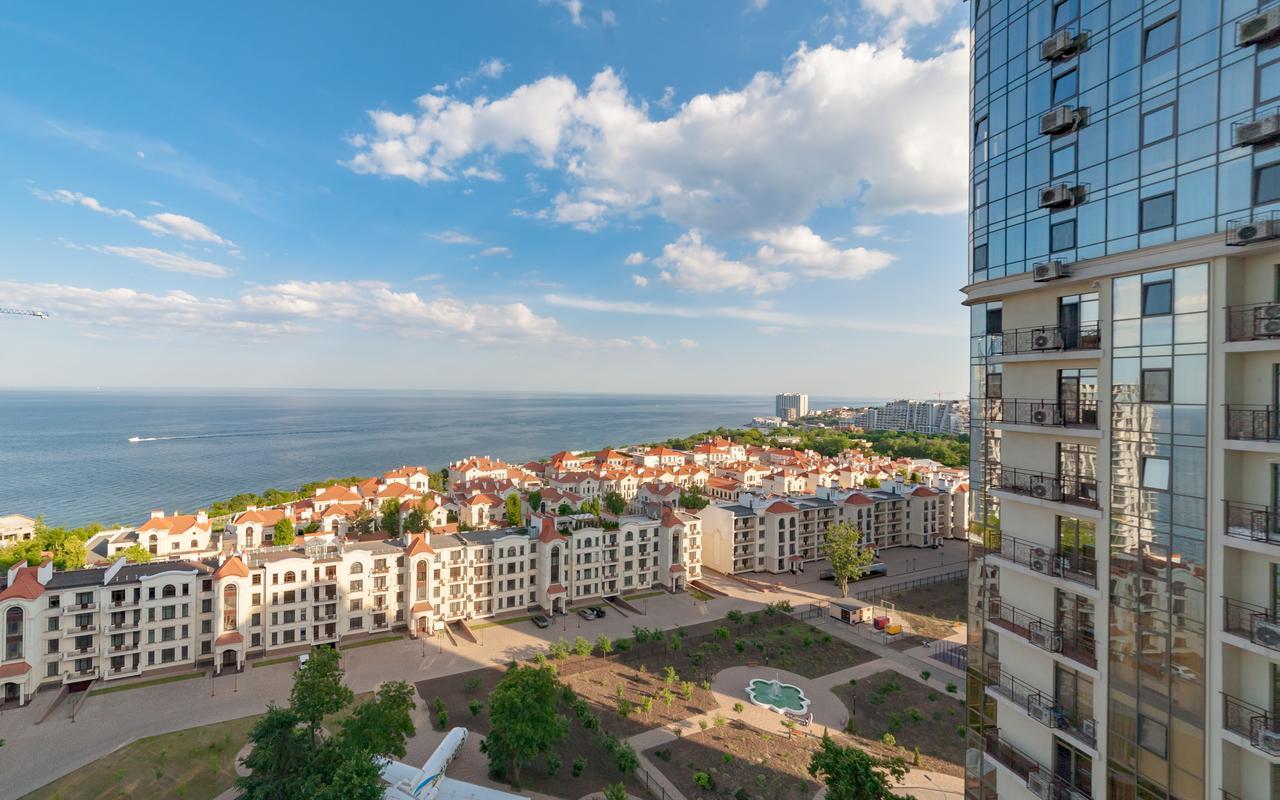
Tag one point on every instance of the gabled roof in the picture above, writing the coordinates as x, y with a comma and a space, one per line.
419, 546
781, 507
175, 525
261, 516
548, 532
337, 494
231, 568
858, 499
26, 586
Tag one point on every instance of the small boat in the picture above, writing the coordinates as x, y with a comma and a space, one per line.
134, 439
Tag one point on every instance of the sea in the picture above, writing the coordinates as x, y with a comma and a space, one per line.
68, 455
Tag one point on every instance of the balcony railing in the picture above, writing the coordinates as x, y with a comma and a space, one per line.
74, 607
1251, 722
1041, 707
1045, 339
1255, 322
1253, 522
1024, 766
1042, 633
1074, 566
1044, 413
1253, 423
1076, 490
1255, 623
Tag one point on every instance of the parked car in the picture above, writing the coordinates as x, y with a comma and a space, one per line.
600, 612
827, 575
587, 613
541, 621
876, 569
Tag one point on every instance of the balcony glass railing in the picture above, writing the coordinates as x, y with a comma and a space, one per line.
1045, 339
1253, 522
1078, 646
1043, 413
1251, 722
1075, 566
1254, 322
1253, 423
1076, 490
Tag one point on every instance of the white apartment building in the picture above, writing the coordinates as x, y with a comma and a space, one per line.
791, 405
16, 528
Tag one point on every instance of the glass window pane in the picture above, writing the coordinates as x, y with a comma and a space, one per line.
1157, 298
1157, 212
1062, 236
1064, 87
1064, 160
1157, 125
1269, 82
1064, 12
1160, 38
1155, 385
1155, 473
1267, 184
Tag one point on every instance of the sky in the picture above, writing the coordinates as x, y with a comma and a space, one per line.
730, 196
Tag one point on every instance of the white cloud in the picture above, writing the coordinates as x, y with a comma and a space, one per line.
68, 197
692, 266
668, 97
493, 68
769, 330
640, 280
574, 7
868, 230
453, 237
877, 126
166, 260
608, 19
635, 259
430, 276
801, 249
757, 5
645, 342
183, 227
496, 251
904, 14
687, 344
764, 316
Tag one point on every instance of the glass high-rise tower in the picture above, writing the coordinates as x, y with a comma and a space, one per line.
1124, 286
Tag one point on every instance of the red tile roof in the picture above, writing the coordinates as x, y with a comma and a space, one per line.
14, 670
418, 608
781, 508
230, 637
231, 568
555, 588
25, 586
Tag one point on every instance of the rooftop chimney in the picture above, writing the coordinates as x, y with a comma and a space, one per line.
13, 570
157, 513
202, 517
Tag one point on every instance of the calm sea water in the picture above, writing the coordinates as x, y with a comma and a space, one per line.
67, 455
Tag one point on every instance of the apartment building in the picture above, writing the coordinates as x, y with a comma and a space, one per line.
791, 405
219, 610
1123, 284
16, 528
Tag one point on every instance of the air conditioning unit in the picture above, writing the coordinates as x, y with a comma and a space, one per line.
1061, 44
1045, 639
1248, 231
1044, 340
1258, 28
1267, 739
1090, 730
1266, 321
1059, 120
1047, 271
1046, 415
1040, 713
1255, 132
1266, 633
1040, 564
1059, 195
1045, 488
1041, 785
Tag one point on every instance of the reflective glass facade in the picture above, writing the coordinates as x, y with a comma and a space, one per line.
1157, 85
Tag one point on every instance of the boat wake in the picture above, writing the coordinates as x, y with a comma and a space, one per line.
140, 439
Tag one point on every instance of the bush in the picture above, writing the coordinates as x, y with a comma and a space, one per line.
704, 781
740, 646
734, 616
888, 740
718, 719
754, 618
925, 674
473, 683
669, 675
663, 754
915, 757
582, 646
951, 688
553, 764
579, 764
686, 690
475, 706
558, 649
914, 714
706, 685
702, 723
826, 638
933, 696
960, 731
722, 632
442, 720
738, 707
727, 758
622, 645
625, 758
624, 708
741, 794
437, 705
807, 641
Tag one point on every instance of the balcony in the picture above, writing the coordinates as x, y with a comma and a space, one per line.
119, 604
1040, 779
1251, 622
1041, 707
1253, 423
127, 625
1253, 723
1043, 413
79, 630
124, 671
1253, 522
1045, 339
1257, 322
1069, 565
76, 607
116, 649
79, 674
80, 652
1073, 490
1042, 633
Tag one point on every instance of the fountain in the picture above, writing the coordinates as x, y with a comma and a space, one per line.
781, 698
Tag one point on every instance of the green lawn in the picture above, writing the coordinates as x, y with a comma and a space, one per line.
186, 676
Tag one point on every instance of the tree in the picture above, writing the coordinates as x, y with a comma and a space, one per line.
391, 516
281, 751
591, 506
615, 504
282, 534
438, 480
381, 726
415, 521
363, 521
615, 791
851, 774
535, 501
564, 510
318, 689
135, 554
513, 510
693, 499
524, 719
849, 559
872, 482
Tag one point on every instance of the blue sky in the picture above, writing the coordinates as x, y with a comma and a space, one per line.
700, 197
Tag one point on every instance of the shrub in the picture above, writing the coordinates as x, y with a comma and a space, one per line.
888, 740
706, 685
702, 723
624, 708
579, 764
540, 659
734, 616
762, 780
558, 649
722, 632
894, 721
582, 646
807, 641
914, 714
853, 681
663, 754
924, 674
666, 696
625, 758
553, 764
704, 781
442, 720
615, 791
437, 705
622, 645
669, 675
933, 696
826, 638
475, 706
951, 688
727, 758
686, 690
473, 683
738, 707
641, 635
740, 646
915, 757
754, 618
741, 794
646, 705
718, 719
876, 699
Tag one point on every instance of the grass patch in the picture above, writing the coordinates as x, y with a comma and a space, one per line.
698, 594
499, 622
186, 676
371, 642
273, 661
641, 596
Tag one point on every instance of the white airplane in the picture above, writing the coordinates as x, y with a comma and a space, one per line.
429, 783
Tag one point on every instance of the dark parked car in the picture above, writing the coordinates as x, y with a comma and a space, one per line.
587, 613
541, 621
827, 575
600, 612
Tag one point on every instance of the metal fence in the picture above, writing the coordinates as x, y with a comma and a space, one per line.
953, 654
894, 588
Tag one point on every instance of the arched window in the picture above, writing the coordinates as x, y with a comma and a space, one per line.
421, 571
357, 568
511, 552
169, 590
555, 565
152, 543
289, 577
13, 634
230, 598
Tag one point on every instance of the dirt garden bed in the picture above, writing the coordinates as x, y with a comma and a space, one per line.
932, 611
740, 762
913, 713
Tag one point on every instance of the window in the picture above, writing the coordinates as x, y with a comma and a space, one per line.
1155, 473
980, 255
1064, 12
1157, 212
1153, 736
979, 195
995, 318
1266, 184
1157, 125
13, 634
1268, 82
1064, 87
981, 130
1156, 385
995, 385
1157, 299
1064, 160
1062, 235
1160, 38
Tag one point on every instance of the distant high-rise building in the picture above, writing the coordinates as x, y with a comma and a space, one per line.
791, 405
1124, 637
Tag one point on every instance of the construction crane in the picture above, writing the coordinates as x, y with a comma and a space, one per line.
25, 312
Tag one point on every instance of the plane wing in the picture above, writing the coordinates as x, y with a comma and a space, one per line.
400, 779
449, 789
